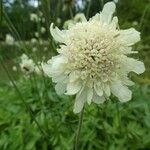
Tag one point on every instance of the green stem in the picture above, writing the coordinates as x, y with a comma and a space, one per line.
118, 116
71, 13
79, 130
88, 9
143, 16
1, 11
14, 32
101, 3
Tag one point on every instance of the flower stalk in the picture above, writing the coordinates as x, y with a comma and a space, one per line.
79, 130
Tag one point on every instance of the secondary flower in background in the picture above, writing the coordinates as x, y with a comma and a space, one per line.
116, 1
27, 65
43, 20
14, 68
33, 40
34, 49
40, 14
45, 49
93, 60
36, 34
58, 21
78, 18
43, 30
9, 39
34, 17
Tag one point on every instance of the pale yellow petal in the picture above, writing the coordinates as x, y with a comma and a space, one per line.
98, 89
134, 65
89, 95
129, 36
57, 34
98, 99
73, 87
107, 12
79, 101
60, 88
106, 89
121, 91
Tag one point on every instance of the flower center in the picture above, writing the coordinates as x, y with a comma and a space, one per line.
93, 52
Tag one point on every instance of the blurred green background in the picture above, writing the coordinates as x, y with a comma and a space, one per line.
33, 116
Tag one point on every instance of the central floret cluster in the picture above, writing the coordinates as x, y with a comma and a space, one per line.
93, 60
93, 52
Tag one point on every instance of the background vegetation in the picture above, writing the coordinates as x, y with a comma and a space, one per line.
33, 116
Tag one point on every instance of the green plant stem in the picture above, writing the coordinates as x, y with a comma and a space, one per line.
79, 130
143, 16
102, 3
118, 115
88, 9
1, 11
71, 13
14, 32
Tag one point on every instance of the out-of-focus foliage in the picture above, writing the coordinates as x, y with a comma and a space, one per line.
112, 126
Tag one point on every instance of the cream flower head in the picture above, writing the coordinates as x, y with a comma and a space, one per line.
27, 65
9, 39
78, 18
93, 60
34, 17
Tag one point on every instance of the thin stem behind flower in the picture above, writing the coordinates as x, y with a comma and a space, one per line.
1, 11
118, 116
143, 16
79, 130
14, 32
71, 13
88, 9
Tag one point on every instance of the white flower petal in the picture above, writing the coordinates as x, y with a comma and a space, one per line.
57, 34
127, 50
98, 89
89, 95
68, 24
85, 94
96, 17
107, 12
59, 78
74, 76
134, 65
55, 67
129, 36
121, 91
80, 100
114, 23
80, 17
126, 81
60, 88
73, 87
89, 83
98, 99
106, 89
58, 61
46, 69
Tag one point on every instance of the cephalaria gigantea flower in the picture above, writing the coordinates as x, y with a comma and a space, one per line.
93, 60
9, 39
27, 65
